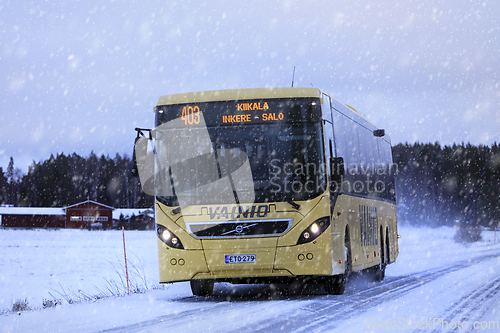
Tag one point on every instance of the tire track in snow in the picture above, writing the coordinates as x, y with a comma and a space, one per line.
466, 308
182, 319
167, 319
324, 312
319, 313
323, 316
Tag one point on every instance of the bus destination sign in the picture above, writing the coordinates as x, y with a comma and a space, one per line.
240, 112
244, 113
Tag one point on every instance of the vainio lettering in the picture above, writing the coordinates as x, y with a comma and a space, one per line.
223, 213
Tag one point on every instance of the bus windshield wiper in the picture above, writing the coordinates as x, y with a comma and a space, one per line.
293, 203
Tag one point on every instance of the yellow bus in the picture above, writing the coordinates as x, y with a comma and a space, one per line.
268, 185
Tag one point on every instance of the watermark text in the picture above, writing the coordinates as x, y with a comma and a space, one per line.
430, 324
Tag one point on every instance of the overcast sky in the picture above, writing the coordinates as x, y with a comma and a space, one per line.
80, 76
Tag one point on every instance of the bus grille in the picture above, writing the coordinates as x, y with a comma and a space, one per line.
246, 228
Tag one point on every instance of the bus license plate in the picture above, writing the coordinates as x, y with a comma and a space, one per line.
240, 258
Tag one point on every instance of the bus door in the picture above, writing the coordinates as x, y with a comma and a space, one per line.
329, 141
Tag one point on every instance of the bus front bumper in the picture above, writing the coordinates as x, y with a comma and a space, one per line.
278, 262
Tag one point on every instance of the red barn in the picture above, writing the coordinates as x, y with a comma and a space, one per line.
89, 214
31, 217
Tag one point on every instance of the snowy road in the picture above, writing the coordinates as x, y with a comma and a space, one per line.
435, 286
262, 309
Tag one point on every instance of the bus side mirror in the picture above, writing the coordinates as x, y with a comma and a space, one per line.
138, 145
379, 133
135, 170
337, 173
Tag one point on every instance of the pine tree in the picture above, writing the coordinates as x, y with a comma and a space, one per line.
3, 187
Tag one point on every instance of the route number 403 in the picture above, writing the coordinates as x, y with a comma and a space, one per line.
191, 115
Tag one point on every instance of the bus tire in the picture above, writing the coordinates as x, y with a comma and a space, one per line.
347, 262
387, 249
379, 272
380, 268
335, 285
296, 286
202, 287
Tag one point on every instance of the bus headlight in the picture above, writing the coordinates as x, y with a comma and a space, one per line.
168, 237
314, 230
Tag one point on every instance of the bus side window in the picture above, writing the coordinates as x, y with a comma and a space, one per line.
331, 158
327, 110
331, 148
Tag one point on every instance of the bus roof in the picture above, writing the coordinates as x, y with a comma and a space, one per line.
238, 94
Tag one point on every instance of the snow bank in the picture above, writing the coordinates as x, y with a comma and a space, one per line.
67, 264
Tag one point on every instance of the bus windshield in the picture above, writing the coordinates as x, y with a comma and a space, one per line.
240, 164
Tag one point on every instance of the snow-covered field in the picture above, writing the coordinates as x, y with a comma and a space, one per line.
434, 279
39, 265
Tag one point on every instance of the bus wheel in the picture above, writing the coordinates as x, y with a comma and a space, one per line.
347, 262
202, 287
335, 285
295, 287
380, 268
380, 271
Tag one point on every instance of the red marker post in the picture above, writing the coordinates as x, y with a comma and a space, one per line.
125, 255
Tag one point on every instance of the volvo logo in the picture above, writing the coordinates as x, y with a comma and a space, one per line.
239, 229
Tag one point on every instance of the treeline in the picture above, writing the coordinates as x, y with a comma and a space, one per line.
439, 185
435, 185
64, 180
